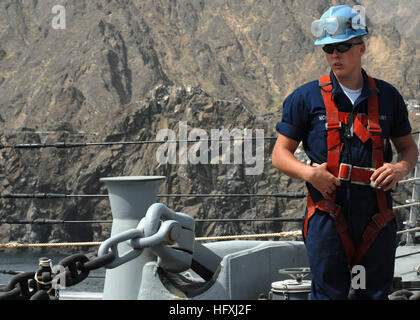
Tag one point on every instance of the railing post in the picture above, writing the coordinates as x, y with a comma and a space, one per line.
130, 198
412, 220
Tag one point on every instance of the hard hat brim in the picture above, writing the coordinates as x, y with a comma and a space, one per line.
337, 38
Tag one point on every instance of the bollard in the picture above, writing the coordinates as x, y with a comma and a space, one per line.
130, 197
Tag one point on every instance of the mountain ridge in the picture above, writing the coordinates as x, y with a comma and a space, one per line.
123, 70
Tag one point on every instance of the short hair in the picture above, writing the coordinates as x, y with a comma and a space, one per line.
359, 38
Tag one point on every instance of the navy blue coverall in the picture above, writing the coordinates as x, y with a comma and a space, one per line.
304, 119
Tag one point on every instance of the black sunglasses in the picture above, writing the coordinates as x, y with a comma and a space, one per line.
341, 47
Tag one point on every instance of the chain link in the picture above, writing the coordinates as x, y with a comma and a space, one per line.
20, 287
111, 246
76, 268
167, 232
75, 271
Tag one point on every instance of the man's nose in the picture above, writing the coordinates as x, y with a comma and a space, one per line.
335, 53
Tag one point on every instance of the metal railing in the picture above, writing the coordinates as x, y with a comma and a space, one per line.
413, 204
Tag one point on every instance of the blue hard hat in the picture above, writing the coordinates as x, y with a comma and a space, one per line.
338, 24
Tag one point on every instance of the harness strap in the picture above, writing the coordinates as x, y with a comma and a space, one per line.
371, 232
359, 123
339, 221
374, 127
333, 125
355, 174
365, 127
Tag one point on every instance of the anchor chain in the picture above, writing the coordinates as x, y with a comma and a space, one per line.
45, 283
167, 233
20, 287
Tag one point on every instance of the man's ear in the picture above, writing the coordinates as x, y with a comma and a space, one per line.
362, 49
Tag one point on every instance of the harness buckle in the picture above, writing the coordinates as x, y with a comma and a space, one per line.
332, 126
375, 186
379, 220
344, 171
374, 129
348, 127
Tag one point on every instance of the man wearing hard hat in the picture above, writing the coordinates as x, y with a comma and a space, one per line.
346, 120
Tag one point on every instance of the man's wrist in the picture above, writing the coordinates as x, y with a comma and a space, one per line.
402, 168
307, 173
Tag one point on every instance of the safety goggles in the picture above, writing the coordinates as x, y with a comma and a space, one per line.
341, 47
334, 25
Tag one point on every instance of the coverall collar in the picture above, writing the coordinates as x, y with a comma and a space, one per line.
366, 91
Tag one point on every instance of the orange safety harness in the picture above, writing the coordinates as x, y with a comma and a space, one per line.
365, 127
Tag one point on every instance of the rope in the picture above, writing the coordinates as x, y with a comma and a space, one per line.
296, 233
13, 245
252, 236
284, 234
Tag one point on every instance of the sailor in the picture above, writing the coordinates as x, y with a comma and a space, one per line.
346, 120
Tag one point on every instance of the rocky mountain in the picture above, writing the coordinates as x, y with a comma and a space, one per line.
124, 70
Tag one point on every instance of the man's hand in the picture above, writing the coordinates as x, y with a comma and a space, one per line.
387, 176
323, 180
319, 176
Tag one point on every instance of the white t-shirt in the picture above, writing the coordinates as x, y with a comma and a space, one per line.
352, 94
